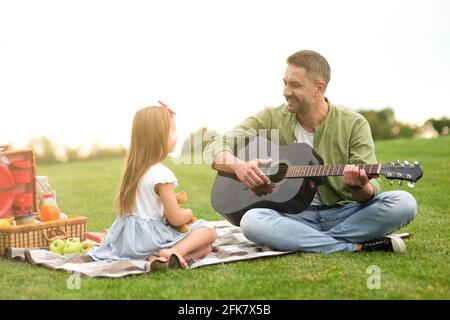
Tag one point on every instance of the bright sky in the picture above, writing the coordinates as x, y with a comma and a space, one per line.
77, 71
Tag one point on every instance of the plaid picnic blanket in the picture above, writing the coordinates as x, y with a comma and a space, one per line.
230, 246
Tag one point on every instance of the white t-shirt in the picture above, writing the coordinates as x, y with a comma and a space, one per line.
304, 136
148, 203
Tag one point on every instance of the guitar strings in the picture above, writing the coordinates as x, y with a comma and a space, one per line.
281, 175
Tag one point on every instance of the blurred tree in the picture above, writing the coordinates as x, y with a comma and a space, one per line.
47, 152
193, 145
384, 125
71, 154
407, 131
99, 152
440, 124
44, 149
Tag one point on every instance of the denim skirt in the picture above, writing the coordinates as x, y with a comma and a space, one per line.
133, 237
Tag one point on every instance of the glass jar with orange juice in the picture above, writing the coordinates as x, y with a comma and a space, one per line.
49, 208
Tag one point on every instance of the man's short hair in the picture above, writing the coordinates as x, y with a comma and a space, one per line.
313, 62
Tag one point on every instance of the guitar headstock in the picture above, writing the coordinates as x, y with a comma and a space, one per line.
402, 171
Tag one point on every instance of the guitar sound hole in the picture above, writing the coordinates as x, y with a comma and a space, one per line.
278, 172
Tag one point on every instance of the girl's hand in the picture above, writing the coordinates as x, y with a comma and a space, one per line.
189, 212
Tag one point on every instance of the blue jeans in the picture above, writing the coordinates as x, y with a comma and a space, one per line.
330, 229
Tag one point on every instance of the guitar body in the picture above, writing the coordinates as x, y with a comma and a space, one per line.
232, 199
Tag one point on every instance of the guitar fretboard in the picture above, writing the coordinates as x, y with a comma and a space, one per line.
327, 170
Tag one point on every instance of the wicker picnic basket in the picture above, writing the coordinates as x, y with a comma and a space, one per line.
40, 235
32, 235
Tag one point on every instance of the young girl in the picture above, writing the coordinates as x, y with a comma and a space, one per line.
147, 205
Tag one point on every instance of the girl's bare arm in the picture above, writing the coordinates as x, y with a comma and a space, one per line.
175, 215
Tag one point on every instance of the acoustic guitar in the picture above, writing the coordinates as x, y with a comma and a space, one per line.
295, 173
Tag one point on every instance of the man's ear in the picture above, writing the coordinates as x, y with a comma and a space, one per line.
320, 87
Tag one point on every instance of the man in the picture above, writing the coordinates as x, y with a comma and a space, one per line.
348, 213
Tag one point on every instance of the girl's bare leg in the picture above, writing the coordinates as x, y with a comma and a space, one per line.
194, 241
152, 258
199, 253
166, 253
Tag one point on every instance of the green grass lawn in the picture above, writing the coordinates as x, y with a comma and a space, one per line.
88, 188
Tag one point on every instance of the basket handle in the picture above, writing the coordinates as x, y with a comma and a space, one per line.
62, 236
3, 147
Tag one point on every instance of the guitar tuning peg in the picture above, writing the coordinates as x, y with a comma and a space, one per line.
416, 163
406, 163
397, 162
391, 183
400, 183
411, 185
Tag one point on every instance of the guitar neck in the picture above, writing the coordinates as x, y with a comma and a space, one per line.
305, 171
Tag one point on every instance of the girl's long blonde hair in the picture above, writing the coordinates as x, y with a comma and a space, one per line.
148, 146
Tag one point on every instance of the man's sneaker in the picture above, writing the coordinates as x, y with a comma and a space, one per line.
389, 243
404, 235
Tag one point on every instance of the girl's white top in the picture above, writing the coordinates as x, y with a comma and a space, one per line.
148, 203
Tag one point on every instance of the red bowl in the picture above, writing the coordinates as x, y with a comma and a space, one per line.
7, 190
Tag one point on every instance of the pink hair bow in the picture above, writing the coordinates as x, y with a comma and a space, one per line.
168, 109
